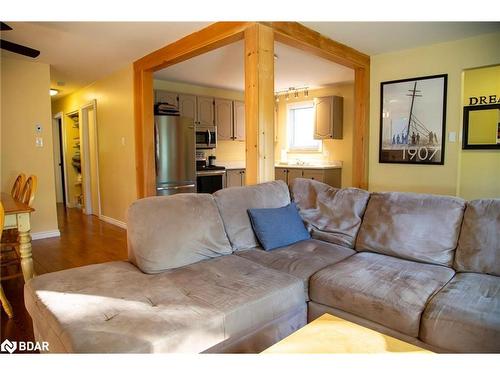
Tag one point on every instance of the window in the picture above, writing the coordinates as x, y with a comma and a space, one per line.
301, 127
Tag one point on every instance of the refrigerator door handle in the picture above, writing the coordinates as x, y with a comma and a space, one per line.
175, 187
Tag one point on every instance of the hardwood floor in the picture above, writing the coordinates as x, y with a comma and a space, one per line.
84, 240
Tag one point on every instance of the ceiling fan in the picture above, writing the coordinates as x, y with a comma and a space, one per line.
14, 47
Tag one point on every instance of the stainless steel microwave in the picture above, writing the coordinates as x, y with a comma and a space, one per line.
206, 137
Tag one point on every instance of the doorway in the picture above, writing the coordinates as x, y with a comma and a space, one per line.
59, 162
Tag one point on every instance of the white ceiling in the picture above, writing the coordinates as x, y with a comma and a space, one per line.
82, 52
374, 38
224, 68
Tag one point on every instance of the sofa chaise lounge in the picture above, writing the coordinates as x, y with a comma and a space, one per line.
422, 268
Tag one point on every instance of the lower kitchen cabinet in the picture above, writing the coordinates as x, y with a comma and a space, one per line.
331, 177
235, 177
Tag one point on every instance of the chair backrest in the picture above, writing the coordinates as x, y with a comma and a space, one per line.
2, 219
29, 190
17, 188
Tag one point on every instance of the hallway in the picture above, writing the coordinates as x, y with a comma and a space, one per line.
84, 240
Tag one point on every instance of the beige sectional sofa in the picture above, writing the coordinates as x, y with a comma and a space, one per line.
422, 268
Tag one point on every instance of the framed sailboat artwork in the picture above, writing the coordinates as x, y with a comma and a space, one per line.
413, 120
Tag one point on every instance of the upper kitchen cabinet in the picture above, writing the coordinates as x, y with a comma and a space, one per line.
162, 96
206, 115
187, 106
239, 121
328, 117
224, 119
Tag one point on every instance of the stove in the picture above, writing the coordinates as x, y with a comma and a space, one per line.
209, 178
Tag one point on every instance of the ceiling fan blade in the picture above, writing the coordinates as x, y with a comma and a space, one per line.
4, 26
17, 48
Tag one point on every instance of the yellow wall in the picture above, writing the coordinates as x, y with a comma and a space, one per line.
226, 150
115, 133
25, 103
480, 169
333, 149
451, 58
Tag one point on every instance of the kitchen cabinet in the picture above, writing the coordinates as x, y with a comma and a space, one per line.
230, 120
330, 176
235, 177
328, 121
187, 106
205, 111
239, 121
293, 174
281, 174
162, 96
224, 119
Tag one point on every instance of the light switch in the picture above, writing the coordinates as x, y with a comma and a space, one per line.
452, 137
39, 141
123, 141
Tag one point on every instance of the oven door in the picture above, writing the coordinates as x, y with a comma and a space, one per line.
209, 181
206, 137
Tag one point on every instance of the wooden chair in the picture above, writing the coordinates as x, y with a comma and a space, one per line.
29, 190
9, 246
18, 186
5, 303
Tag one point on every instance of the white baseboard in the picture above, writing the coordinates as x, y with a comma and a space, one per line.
110, 220
46, 234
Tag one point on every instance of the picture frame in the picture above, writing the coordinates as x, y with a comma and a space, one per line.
481, 132
413, 120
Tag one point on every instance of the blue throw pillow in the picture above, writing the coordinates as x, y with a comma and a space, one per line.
277, 227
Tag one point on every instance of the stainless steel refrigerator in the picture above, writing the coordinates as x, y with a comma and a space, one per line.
175, 154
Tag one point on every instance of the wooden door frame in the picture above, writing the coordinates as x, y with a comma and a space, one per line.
223, 33
87, 146
59, 117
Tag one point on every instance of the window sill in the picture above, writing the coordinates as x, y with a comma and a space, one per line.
303, 151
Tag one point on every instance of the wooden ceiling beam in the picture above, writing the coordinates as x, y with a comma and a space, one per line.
205, 40
299, 36
223, 33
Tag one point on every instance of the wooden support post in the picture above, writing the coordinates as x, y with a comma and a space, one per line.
361, 127
259, 103
144, 133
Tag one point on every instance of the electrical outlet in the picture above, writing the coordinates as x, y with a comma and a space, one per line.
452, 137
39, 142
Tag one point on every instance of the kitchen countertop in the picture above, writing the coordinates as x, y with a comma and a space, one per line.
334, 165
241, 165
232, 164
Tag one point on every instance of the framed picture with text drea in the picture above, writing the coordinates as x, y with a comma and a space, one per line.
413, 120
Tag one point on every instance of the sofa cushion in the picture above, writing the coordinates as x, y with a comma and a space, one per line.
278, 227
301, 259
332, 215
479, 242
412, 226
234, 202
465, 315
170, 232
114, 307
390, 291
